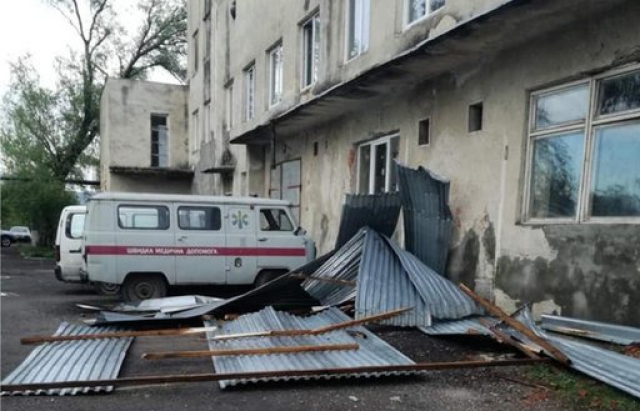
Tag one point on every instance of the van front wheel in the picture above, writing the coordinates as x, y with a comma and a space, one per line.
138, 287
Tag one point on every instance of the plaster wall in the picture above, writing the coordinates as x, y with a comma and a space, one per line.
585, 270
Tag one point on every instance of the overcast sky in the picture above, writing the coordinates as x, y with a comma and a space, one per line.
33, 27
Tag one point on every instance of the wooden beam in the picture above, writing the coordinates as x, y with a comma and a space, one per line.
39, 339
517, 325
189, 378
249, 351
506, 339
316, 331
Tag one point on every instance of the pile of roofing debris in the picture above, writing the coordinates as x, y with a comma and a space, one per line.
297, 326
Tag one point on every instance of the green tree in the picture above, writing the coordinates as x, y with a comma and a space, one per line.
52, 129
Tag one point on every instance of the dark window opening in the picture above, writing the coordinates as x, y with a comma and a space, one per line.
475, 117
315, 149
424, 132
159, 140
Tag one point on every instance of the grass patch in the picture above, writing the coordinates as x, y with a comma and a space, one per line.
28, 251
581, 393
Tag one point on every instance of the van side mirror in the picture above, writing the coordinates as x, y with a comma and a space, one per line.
299, 231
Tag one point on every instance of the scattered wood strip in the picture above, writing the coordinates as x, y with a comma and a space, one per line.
517, 325
188, 378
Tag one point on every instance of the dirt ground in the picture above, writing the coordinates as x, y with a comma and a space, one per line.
34, 302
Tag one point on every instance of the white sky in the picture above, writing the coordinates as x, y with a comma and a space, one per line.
34, 27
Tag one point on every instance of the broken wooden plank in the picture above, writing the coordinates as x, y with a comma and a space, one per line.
249, 351
190, 378
316, 331
39, 339
517, 325
504, 338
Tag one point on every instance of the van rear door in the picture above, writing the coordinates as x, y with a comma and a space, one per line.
200, 237
69, 243
278, 246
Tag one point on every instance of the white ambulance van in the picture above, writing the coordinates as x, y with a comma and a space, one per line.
148, 242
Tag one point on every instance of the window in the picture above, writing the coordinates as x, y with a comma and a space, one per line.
310, 50
229, 106
358, 13
376, 169
196, 54
476, 112
207, 9
207, 39
275, 75
273, 219
199, 218
159, 141
418, 9
74, 226
134, 217
250, 92
206, 86
584, 151
207, 122
195, 120
424, 132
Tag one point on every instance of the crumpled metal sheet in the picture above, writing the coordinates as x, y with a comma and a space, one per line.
389, 278
379, 212
595, 330
465, 326
428, 222
372, 349
71, 361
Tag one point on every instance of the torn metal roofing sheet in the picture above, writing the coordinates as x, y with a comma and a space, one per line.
428, 221
388, 278
470, 325
613, 333
379, 212
618, 370
72, 361
372, 350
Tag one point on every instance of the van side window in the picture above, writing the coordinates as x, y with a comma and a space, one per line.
199, 218
134, 217
273, 219
74, 225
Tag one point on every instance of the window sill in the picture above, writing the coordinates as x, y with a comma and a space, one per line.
599, 221
356, 57
307, 89
409, 25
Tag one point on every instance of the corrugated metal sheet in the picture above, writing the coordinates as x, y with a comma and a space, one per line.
610, 367
471, 325
428, 221
388, 278
377, 211
613, 333
372, 350
72, 361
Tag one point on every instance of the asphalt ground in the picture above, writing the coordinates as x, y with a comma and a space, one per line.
34, 302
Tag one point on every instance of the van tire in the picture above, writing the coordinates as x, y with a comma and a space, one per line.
139, 287
6, 241
267, 276
107, 289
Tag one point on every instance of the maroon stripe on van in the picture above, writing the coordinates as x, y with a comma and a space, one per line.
194, 251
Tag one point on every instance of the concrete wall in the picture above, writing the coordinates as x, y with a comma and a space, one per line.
125, 134
259, 25
586, 270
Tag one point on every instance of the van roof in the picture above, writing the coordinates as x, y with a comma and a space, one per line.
121, 196
75, 208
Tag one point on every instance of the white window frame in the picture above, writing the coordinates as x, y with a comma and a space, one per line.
386, 140
250, 92
228, 91
276, 74
196, 52
589, 126
363, 13
207, 122
313, 25
427, 13
195, 119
